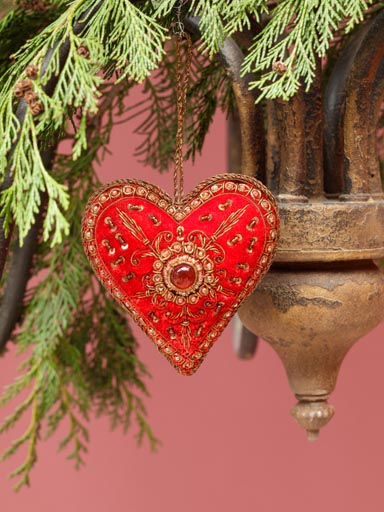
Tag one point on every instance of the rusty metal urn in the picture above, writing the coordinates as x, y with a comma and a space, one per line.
324, 291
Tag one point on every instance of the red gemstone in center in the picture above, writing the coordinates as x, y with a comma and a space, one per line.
183, 276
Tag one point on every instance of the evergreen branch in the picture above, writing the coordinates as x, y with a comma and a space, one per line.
20, 269
219, 19
132, 40
78, 433
21, 382
21, 151
110, 392
18, 25
296, 34
60, 321
158, 128
19, 272
31, 436
76, 83
10, 421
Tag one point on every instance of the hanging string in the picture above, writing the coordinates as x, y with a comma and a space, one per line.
182, 79
178, 25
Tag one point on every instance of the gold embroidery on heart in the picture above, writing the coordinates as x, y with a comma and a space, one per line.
177, 258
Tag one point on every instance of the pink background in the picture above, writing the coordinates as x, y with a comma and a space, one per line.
229, 442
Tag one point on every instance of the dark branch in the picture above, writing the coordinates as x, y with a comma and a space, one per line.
20, 267
21, 111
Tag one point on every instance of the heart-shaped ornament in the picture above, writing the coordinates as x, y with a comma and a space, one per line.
181, 270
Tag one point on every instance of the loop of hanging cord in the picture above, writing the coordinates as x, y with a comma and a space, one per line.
182, 80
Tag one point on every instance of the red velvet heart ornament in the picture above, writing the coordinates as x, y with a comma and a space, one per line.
181, 270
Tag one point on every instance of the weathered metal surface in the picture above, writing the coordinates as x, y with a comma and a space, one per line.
245, 342
331, 231
354, 94
313, 416
312, 316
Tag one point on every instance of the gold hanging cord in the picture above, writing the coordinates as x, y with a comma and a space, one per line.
182, 80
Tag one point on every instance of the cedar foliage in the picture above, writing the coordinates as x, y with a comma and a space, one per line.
80, 352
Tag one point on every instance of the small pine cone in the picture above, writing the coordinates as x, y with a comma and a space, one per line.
280, 67
36, 108
22, 87
31, 97
83, 51
32, 71
40, 6
34, 5
18, 91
